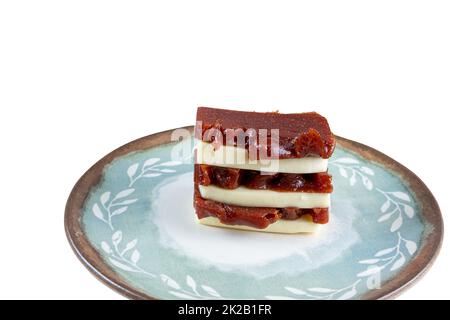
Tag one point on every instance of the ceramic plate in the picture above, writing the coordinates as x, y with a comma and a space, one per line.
131, 222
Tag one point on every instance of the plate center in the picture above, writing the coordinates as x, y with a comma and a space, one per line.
260, 254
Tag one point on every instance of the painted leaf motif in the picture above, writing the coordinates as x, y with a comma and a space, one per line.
398, 264
401, 195
385, 206
296, 291
280, 298
119, 211
170, 163
211, 291
121, 265
369, 261
124, 193
191, 283
132, 170
348, 295
130, 245
409, 211
367, 183
182, 295
367, 170
106, 247
397, 224
369, 271
352, 180
170, 282
135, 256
347, 161
104, 198
117, 237
384, 252
411, 246
151, 175
321, 290
150, 162
167, 170
126, 202
97, 212
384, 217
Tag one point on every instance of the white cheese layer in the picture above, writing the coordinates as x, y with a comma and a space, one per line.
233, 157
246, 197
302, 225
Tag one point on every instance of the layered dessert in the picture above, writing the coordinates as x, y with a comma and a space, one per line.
262, 171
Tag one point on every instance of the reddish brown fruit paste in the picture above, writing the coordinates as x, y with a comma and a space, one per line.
229, 178
300, 134
259, 218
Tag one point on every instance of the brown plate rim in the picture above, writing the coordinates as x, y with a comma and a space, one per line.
391, 288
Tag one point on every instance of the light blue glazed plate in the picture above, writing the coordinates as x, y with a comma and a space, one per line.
131, 222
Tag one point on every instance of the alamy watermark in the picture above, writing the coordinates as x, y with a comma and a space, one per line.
248, 148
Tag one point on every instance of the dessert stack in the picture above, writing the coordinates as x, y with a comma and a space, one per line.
262, 171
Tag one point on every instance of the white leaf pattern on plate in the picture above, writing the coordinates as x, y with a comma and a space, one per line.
319, 293
352, 166
392, 257
210, 291
127, 257
191, 292
399, 208
105, 197
132, 170
150, 169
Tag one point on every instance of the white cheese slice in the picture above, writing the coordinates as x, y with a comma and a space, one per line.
247, 197
302, 225
234, 157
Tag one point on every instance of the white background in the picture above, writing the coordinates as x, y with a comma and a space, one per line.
80, 78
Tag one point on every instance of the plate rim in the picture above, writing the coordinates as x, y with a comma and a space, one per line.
92, 260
